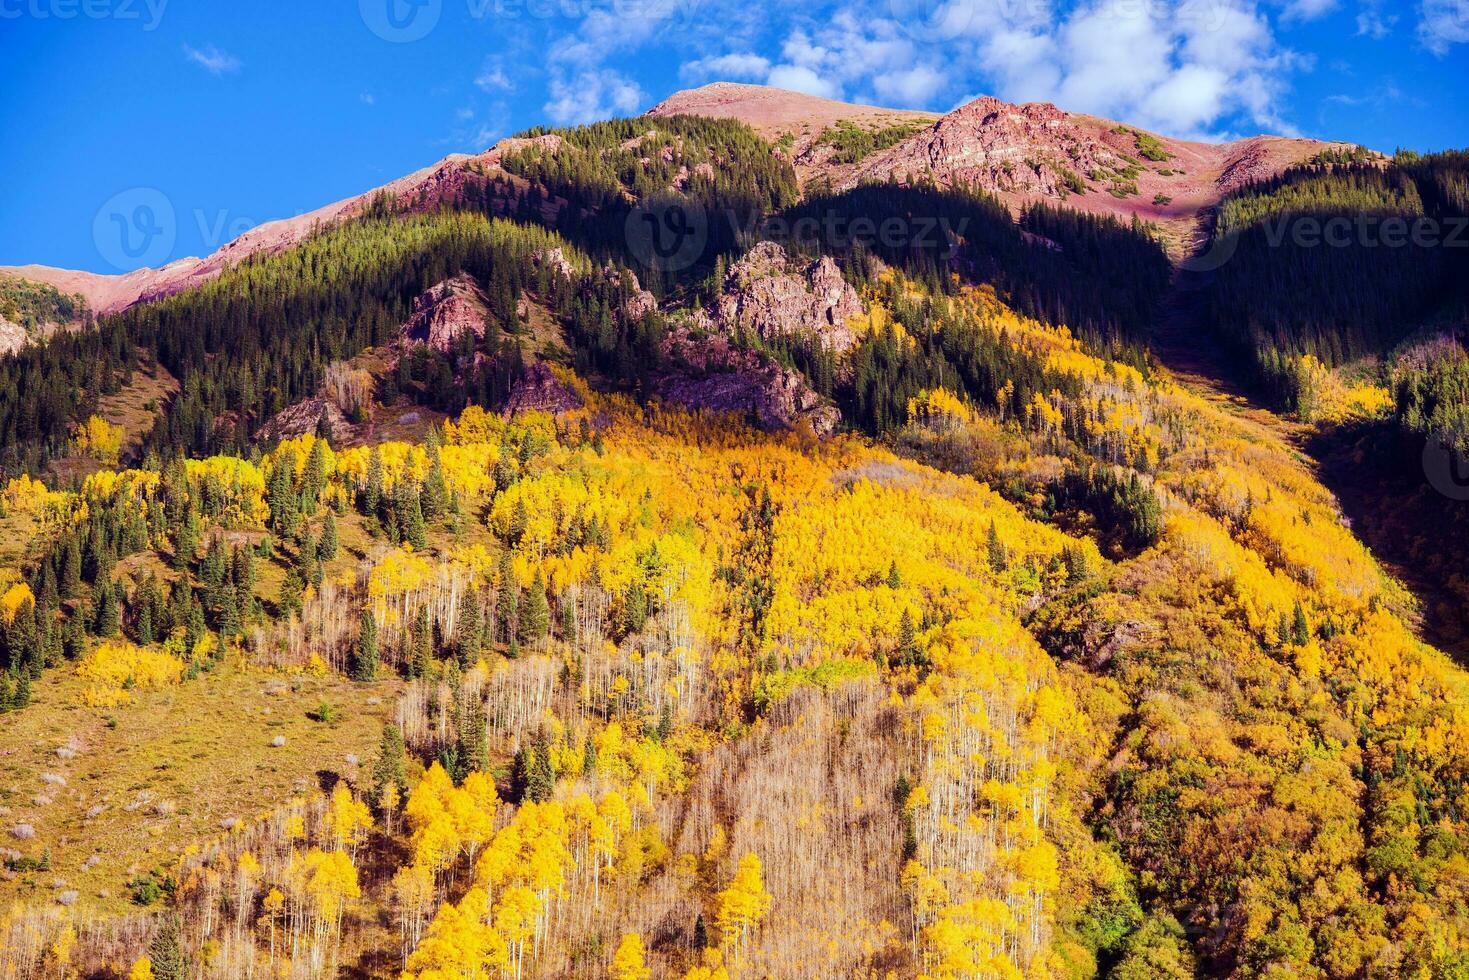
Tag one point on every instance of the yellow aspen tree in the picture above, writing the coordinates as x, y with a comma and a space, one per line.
743, 905
628, 962
142, 969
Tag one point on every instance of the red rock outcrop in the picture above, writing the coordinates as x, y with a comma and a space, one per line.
539, 390
712, 374
447, 311
772, 295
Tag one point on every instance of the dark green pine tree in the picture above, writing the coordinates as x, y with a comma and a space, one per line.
535, 613
186, 539
105, 617
71, 568
468, 631
541, 785
410, 513
520, 768
372, 494
391, 766
435, 497
313, 480
166, 951
365, 656
999, 559
292, 588
568, 620
327, 550
1300, 629
474, 749
507, 599
280, 495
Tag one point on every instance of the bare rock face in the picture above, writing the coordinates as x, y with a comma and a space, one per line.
994, 145
12, 337
447, 311
539, 390
639, 303
304, 416
554, 259
711, 374
773, 295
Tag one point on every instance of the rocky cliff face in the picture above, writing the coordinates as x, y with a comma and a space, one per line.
994, 145
772, 295
539, 390
712, 374
447, 311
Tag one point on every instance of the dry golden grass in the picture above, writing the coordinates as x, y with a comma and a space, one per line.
136, 406
146, 780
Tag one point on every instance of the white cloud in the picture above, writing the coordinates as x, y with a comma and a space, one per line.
1180, 68
1373, 23
1442, 23
211, 59
737, 66
914, 87
1307, 10
799, 78
367, 98
590, 95
492, 78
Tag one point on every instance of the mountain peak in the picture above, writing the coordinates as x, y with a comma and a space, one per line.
775, 112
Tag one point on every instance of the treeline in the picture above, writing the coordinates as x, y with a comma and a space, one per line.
716, 172
1097, 276
31, 304
1338, 261
259, 336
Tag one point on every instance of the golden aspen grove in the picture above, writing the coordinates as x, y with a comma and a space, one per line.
947, 633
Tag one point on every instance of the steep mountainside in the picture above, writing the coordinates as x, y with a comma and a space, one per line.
468, 588
1022, 153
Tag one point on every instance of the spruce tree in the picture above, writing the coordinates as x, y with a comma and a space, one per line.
166, 951
535, 613
327, 550
372, 494
1300, 629
391, 767
365, 657
435, 497
292, 588
468, 632
541, 784
105, 615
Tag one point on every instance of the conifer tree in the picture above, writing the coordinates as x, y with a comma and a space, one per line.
535, 612
365, 657
292, 588
327, 550
372, 494
391, 766
166, 951
468, 631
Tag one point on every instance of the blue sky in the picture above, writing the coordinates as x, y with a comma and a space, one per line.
229, 114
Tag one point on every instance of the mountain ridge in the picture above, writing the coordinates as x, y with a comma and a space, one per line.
943, 148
